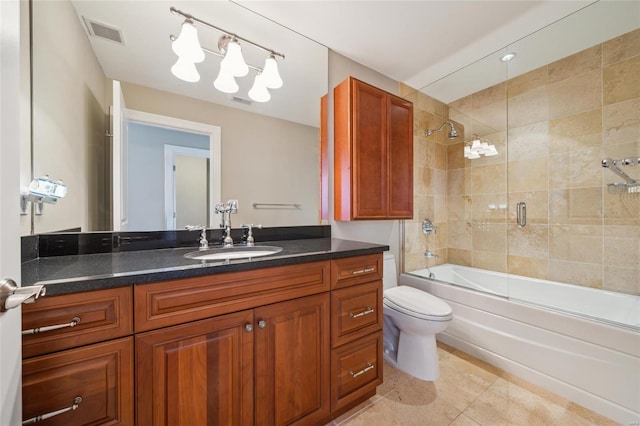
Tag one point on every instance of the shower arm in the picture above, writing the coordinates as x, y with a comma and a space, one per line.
453, 133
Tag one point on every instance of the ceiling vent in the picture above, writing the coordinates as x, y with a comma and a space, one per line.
241, 100
100, 30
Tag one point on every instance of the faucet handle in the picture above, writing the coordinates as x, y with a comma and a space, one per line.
249, 228
204, 244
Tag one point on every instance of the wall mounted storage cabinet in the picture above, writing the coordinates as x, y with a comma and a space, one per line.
373, 153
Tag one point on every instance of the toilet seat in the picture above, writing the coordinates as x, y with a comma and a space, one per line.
416, 303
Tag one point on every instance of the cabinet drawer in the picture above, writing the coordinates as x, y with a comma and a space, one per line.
356, 270
174, 302
98, 377
98, 315
355, 312
356, 370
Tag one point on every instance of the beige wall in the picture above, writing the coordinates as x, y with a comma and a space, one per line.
560, 120
68, 118
264, 159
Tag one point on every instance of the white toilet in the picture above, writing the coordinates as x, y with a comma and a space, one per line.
411, 320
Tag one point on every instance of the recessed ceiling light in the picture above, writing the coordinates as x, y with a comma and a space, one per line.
508, 56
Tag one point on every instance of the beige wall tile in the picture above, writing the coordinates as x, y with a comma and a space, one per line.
577, 94
464, 105
489, 237
621, 81
531, 141
622, 280
441, 156
423, 207
537, 206
621, 122
530, 241
530, 107
621, 48
489, 96
459, 182
493, 116
414, 239
455, 156
528, 266
575, 169
459, 235
619, 151
621, 209
528, 175
439, 182
580, 206
622, 246
489, 179
423, 180
489, 260
405, 91
429, 104
459, 257
438, 240
578, 273
459, 208
578, 131
580, 243
487, 208
440, 208
413, 262
580, 63
527, 81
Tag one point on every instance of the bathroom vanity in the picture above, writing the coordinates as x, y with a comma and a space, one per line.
288, 339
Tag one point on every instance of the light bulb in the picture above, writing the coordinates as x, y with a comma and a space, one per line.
492, 151
187, 46
259, 92
270, 73
225, 82
233, 61
185, 70
476, 145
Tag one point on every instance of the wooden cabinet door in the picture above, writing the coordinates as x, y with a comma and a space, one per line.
91, 385
199, 373
293, 362
400, 152
369, 151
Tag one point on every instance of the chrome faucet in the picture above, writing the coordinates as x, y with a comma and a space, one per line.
204, 244
226, 209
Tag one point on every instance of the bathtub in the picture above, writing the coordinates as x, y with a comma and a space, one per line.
580, 343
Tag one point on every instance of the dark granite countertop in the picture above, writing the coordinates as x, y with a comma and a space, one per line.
77, 273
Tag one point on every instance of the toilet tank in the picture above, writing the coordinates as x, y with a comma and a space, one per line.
390, 274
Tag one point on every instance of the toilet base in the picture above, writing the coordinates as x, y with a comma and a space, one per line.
418, 356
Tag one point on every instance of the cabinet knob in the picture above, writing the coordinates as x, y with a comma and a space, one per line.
262, 323
248, 328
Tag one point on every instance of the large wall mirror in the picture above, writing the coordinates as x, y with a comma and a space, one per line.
264, 154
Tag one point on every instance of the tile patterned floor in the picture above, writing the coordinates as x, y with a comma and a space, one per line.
469, 393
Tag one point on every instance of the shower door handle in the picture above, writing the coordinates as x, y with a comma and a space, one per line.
521, 214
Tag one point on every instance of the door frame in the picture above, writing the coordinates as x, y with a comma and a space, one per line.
170, 153
215, 147
12, 131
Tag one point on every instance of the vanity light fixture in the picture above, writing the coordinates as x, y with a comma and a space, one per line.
478, 147
187, 47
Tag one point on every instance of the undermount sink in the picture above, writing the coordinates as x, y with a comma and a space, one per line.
228, 253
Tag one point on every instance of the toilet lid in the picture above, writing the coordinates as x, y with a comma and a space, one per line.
417, 303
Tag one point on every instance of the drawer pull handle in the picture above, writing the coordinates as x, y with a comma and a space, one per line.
362, 271
248, 328
262, 323
364, 370
74, 321
367, 311
76, 403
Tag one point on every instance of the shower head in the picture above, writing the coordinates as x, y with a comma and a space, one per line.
451, 135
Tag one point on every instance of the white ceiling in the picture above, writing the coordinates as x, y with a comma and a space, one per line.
414, 42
